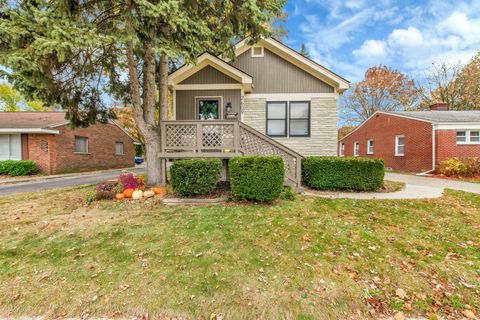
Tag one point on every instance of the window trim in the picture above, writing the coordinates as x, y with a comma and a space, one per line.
290, 119
342, 149
467, 136
368, 146
252, 51
397, 154
356, 151
75, 145
285, 119
123, 148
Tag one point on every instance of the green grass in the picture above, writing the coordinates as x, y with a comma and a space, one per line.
306, 259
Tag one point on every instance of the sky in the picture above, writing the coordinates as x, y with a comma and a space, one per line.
350, 36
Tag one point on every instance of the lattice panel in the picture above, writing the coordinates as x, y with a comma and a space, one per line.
218, 135
181, 135
252, 144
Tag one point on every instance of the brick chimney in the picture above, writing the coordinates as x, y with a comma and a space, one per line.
439, 106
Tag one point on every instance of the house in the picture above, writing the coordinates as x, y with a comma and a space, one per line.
268, 100
46, 138
415, 141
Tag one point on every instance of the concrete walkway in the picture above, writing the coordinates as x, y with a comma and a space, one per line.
416, 187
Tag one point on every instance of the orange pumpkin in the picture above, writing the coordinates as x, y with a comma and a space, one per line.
158, 190
128, 193
120, 196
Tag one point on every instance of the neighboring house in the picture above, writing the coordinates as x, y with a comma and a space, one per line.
46, 138
270, 99
415, 141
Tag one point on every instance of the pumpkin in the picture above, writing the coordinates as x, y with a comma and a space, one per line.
137, 194
158, 190
128, 193
120, 196
148, 193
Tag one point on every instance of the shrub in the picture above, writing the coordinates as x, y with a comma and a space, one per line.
457, 167
130, 180
106, 190
334, 173
195, 176
17, 167
256, 178
288, 194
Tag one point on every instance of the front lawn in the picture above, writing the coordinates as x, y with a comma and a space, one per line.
306, 259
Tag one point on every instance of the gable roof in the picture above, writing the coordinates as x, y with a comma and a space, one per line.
208, 59
296, 58
433, 117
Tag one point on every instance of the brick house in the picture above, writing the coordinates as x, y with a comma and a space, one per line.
415, 141
46, 138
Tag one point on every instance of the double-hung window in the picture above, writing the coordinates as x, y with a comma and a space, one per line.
342, 149
468, 137
277, 119
399, 146
370, 145
119, 148
288, 118
81, 144
356, 149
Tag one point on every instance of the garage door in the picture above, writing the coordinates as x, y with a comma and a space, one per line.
10, 147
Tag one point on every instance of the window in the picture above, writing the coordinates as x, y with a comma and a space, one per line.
277, 119
370, 145
299, 119
399, 146
342, 149
468, 137
81, 145
119, 148
10, 147
356, 149
257, 52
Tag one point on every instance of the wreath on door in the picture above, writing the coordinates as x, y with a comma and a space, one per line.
208, 110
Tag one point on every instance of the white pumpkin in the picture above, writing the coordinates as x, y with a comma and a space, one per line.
137, 194
148, 193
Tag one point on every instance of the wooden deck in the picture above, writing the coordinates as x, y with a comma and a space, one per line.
224, 139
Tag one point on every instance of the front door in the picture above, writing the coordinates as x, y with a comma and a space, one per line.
208, 109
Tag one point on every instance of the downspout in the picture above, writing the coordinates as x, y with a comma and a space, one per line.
433, 154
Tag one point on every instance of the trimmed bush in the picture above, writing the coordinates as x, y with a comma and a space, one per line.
195, 176
256, 178
17, 167
335, 173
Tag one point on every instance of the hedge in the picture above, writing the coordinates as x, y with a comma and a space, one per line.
195, 176
17, 167
256, 178
334, 173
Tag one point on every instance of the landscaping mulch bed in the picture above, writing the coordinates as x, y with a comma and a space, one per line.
388, 187
221, 191
462, 179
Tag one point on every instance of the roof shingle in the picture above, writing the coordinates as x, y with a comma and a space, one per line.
21, 120
442, 116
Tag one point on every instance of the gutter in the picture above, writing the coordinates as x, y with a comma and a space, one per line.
28, 130
426, 173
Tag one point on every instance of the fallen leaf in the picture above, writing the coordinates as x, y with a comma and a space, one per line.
306, 237
469, 314
400, 293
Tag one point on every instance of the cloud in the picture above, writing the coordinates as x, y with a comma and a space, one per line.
371, 50
405, 38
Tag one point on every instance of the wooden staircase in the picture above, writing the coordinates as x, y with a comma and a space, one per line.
224, 139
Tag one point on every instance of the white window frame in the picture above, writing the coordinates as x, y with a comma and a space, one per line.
370, 146
356, 149
397, 138
342, 149
467, 136
123, 148
261, 55
75, 145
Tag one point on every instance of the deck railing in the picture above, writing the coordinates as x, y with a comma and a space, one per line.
224, 139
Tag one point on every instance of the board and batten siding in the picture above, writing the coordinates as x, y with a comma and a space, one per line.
273, 74
208, 75
324, 124
186, 104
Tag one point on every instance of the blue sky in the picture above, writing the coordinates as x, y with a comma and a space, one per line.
350, 36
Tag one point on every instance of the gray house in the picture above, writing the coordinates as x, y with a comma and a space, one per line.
269, 100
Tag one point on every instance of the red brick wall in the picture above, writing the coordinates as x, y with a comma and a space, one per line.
447, 147
101, 149
24, 138
55, 153
40, 148
382, 129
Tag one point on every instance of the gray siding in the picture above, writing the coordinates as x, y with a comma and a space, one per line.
324, 122
273, 74
185, 101
208, 75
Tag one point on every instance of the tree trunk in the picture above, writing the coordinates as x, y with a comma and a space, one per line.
163, 87
154, 165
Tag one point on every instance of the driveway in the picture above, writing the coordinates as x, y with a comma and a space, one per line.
66, 181
433, 182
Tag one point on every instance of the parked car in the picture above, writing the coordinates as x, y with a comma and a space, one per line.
139, 160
